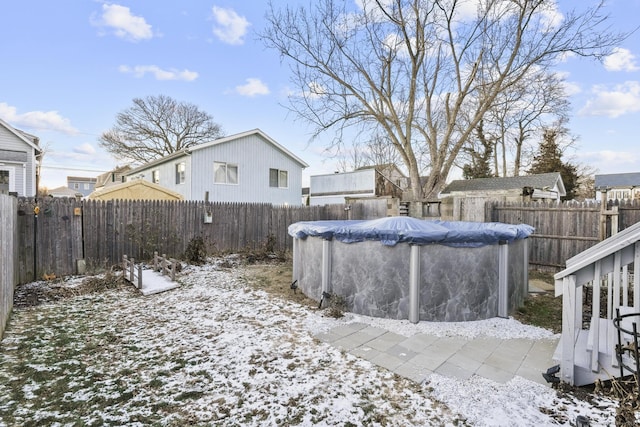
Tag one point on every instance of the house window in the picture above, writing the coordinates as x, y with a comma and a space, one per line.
180, 172
4, 182
155, 177
76, 186
225, 173
278, 178
86, 185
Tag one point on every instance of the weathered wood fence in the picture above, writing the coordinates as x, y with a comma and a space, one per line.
563, 230
8, 255
53, 234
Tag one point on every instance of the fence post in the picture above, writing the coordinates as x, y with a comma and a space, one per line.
131, 270
124, 266
173, 269
140, 276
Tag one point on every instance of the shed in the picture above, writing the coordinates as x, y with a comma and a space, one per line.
464, 200
135, 190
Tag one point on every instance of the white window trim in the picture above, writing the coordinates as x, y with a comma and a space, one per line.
226, 174
278, 174
12, 177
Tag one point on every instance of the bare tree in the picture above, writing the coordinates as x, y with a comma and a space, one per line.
423, 72
156, 126
375, 151
521, 112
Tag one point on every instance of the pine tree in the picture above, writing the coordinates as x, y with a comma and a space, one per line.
549, 159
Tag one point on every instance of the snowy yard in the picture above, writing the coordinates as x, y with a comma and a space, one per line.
218, 351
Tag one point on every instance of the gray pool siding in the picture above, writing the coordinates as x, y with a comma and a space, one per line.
455, 284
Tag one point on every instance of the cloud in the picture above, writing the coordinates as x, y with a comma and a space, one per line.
622, 99
253, 87
621, 60
123, 24
85, 148
229, 26
37, 120
608, 161
139, 71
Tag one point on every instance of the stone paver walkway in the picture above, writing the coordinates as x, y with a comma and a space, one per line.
418, 356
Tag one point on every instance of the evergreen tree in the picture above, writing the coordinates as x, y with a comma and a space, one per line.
549, 159
480, 166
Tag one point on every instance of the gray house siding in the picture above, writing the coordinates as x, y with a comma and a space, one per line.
254, 157
18, 157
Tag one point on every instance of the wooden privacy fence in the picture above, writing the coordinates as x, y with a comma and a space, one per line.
8, 251
563, 230
53, 234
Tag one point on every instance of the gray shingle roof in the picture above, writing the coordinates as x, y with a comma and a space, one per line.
618, 180
511, 183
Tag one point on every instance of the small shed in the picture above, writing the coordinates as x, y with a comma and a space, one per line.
135, 190
464, 200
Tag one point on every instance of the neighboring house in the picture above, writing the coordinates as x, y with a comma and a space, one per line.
366, 182
248, 167
464, 200
620, 186
63, 192
137, 189
82, 185
113, 177
20, 157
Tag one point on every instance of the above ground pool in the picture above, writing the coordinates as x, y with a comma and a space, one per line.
407, 268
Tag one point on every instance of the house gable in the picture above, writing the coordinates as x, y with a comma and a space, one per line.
248, 161
19, 158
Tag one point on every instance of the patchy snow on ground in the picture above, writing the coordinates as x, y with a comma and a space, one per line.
216, 351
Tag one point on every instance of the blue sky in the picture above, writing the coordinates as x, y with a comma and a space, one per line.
69, 66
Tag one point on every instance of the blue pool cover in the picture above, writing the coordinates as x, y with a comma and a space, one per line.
401, 229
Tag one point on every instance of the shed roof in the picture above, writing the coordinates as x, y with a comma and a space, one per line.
539, 181
138, 189
618, 180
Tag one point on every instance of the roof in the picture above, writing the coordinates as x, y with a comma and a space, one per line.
81, 179
540, 181
618, 180
63, 192
27, 138
382, 167
219, 141
137, 189
105, 178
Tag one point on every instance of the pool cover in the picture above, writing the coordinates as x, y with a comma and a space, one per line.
400, 229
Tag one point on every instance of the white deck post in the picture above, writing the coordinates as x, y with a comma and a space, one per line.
595, 316
567, 366
611, 342
503, 281
636, 276
414, 284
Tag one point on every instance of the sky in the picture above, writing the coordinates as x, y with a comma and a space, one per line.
69, 67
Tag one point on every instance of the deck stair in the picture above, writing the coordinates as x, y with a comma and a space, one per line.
605, 267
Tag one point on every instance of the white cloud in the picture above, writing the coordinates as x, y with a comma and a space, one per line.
622, 99
252, 88
229, 26
621, 60
85, 148
139, 71
124, 25
37, 120
607, 161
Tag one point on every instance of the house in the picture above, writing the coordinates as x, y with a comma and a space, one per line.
63, 192
137, 189
365, 182
113, 177
248, 167
464, 200
82, 185
620, 186
20, 157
